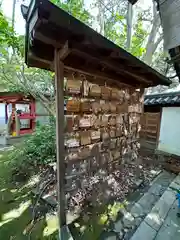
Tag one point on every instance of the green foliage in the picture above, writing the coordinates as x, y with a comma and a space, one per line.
138, 39
8, 37
115, 31
76, 8
39, 148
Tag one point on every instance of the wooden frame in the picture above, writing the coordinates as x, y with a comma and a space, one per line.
72, 46
59, 55
59, 82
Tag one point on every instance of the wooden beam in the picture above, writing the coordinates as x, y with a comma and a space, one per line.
96, 74
112, 65
65, 51
41, 37
59, 81
105, 61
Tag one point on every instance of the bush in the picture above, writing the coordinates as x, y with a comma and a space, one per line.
38, 149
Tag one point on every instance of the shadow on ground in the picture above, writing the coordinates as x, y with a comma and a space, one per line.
16, 211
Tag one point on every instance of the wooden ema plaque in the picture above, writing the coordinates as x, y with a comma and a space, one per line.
102, 129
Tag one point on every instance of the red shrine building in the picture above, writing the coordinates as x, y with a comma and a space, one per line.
21, 108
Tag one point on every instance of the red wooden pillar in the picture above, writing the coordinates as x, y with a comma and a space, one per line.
33, 114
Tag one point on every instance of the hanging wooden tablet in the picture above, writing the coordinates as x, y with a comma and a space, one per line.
119, 119
104, 158
116, 154
127, 94
130, 109
95, 121
124, 130
112, 132
134, 97
73, 105
105, 92
105, 144
85, 121
69, 120
72, 156
126, 118
76, 122
72, 140
105, 107
118, 143
121, 94
117, 164
95, 151
95, 135
73, 86
86, 106
118, 131
115, 94
83, 166
140, 108
122, 108
123, 141
112, 107
85, 88
104, 120
112, 120
72, 123
96, 107
110, 157
112, 144
104, 134
95, 90
84, 152
85, 138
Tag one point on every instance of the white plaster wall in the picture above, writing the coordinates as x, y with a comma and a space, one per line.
169, 140
40, 109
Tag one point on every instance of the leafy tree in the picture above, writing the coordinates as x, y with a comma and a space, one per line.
112, 21
76, 8
15, 76
140, 37
6, 32
138, 47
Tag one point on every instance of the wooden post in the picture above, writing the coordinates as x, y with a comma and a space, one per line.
59, 83
59, 56
158, 128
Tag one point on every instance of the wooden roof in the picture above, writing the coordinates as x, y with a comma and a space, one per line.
49, 27
162, 99
11, 97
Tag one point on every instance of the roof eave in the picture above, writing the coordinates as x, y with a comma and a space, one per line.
35, 11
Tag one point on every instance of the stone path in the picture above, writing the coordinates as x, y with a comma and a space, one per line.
143, 218
162, 222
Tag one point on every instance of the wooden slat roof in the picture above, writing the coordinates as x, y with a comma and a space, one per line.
14, 96
49, 27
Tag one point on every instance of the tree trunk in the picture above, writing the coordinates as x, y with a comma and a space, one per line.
13, 13
101, 16
129, 25
152, 45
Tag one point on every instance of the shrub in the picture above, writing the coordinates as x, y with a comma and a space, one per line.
38, 149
